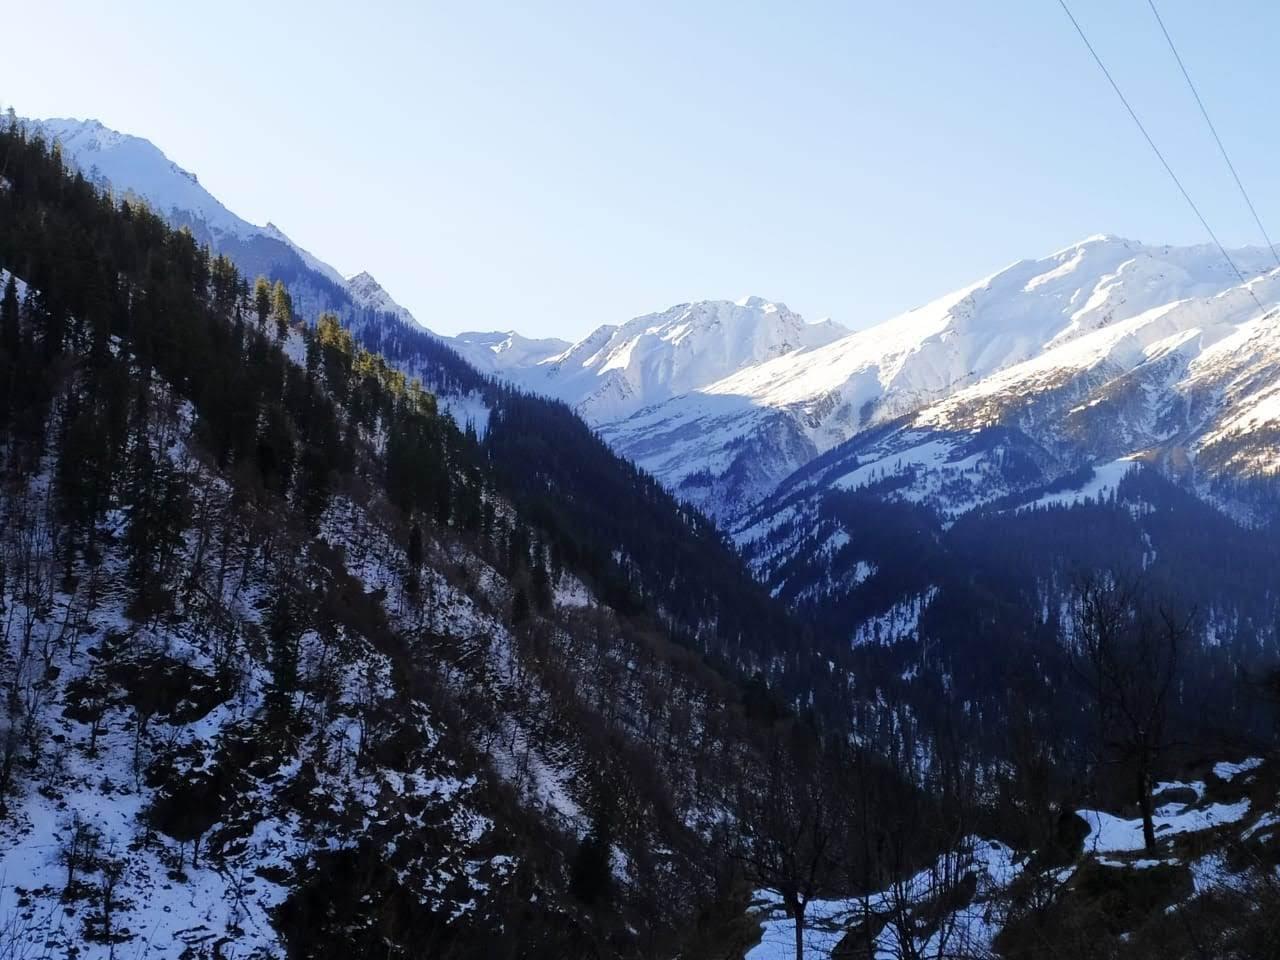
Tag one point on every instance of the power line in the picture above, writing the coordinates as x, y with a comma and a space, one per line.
1156, 150
1212, 129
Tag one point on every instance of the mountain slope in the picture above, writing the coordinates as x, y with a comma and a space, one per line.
294, 667
131, 164
1164, 419
1189, 385
740, 436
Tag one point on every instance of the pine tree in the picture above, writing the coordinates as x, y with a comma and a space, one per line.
157, 516
9, 336
224, 282
540, 582
313, 484
275, 453
281, 309
262, 300
9, 344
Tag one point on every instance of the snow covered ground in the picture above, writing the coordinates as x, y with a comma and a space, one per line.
1111, 834
1102, 484
970, 928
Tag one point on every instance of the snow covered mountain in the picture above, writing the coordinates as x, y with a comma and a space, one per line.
613, 372
1192, 385
1106, 349
617, 370
380, 724
292, 667
367, 292
506, 352
1103, 315
134, 165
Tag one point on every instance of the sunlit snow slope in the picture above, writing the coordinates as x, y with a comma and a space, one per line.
1090, 323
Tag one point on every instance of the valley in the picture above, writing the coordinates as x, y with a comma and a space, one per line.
715, 633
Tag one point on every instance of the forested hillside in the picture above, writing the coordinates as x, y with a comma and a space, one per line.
293, 664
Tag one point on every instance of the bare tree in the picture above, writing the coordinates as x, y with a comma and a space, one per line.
919, 841
80, 847
1129, 650
790, 824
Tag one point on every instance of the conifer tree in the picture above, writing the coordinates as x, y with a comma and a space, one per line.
262, 300
157, 516
9, 343
9, 336
540, 582
224, 281
281, 309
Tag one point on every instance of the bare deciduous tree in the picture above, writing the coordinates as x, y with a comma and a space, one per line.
1129, 650
790, 824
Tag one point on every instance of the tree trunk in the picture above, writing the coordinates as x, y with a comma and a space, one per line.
1144, 804
798, 912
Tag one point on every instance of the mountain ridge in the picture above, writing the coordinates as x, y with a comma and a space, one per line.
132, 163
812, 402
618, 369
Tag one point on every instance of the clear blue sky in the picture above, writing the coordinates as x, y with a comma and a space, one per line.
553, 166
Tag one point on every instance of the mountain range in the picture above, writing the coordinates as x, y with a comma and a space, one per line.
723, 401
332, 635
1075, 368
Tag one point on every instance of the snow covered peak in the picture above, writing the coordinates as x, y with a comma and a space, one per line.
1004, 319
367, 292
616, 370
130, 164
89, 134
1103, 304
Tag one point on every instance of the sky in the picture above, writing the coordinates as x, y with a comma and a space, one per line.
552, 166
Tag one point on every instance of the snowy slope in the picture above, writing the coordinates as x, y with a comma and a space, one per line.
136, 165
1192, 383
505, 351
133, 165
1101, 302
1190, 388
